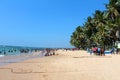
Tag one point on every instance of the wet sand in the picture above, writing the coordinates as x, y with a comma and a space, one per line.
22, 57
65, 65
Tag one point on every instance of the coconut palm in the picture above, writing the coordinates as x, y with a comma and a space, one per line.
102, 28
113, 15
74, 41
102, 36
113, 9
90, 31
78, 37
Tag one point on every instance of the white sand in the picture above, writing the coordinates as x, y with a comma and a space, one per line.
67, 65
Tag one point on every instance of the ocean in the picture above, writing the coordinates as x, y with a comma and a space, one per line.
17, 50
13, 54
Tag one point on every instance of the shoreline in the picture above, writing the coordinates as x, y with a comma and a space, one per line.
5, 60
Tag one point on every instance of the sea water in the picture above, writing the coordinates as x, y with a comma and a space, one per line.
16, 50
13, 54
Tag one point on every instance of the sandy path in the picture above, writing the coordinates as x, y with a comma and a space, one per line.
68, 65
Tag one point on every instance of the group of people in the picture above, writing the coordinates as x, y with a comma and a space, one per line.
114, 50
50, 52
101, 51
97, 51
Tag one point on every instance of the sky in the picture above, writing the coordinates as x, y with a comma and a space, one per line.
43, 23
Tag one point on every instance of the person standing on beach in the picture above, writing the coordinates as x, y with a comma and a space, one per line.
91, 51
99, 49
102, 52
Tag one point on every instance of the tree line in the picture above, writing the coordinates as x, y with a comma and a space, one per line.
102, 28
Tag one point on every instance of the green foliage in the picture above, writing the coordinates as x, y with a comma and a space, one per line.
100, 29
78, 37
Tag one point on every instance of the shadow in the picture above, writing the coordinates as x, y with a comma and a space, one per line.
94, 57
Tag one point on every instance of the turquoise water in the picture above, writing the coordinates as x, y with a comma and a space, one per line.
13, 54
17, 50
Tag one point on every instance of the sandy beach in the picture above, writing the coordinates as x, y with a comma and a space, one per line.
65, 65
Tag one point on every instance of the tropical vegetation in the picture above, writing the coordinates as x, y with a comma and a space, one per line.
102, 28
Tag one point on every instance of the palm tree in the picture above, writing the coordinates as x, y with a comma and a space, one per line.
74, 41
112, 9
113, 15
101, 25
90, 30
102, 28
78, 37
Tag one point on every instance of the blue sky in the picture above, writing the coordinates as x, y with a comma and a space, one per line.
43, 23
